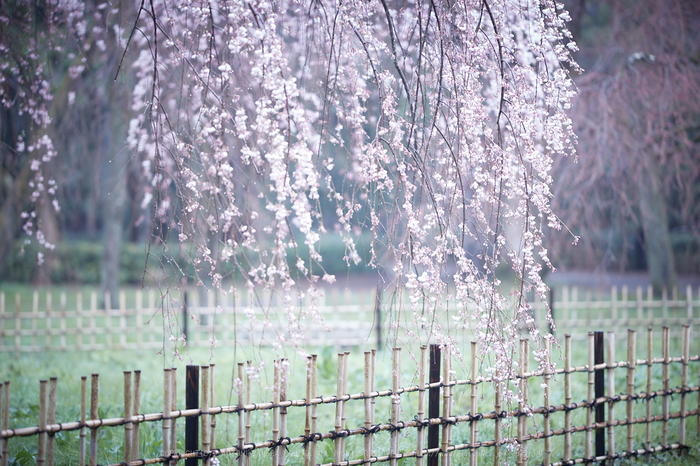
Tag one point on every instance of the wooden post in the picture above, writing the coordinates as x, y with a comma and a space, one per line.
546, 460
611, 392
446, 407
83, 418
314, 408
212, 403
368, 411
684, 379
590, 397
395, 405
94, 414
434, 404
204, 406
338, 444
343, 417
420, 442
567, 397
248, 425
523, 365
474, 434
240, 388
135, 440
128, 425
276, 411
284, 375
650, 342
631, 364
173, 407
497, 426
6, 422
665, 341
51, 420
192, 423
599, 392
167, 385
41, 449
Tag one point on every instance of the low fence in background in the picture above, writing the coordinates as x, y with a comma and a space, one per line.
359, 318
434, 429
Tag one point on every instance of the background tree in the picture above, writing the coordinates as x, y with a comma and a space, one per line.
637, 119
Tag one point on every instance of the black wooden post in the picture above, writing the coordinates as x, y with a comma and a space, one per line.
192, 422
599, 358
434, 404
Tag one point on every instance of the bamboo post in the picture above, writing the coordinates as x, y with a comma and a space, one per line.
2, 387
689, 302
395, 405
128, 424
136, 408
173, 407
497, 426
51, 420
474, 434
698, 421
248, 424
283, 410
684, 378
420, 442
567, 397
83, 418
611, 392
368, 412
41, 449
343, 417
314, 408
167, 409
546, 460
434, 404
631, 364
206, 438
240, 412
664, 304
192, 423
338, 410
6, 422
650, 342
665, 341
522, 456
590, 397
94, 414
599, 358
446, 407
276, 412
373, 383
640, 307
212, 402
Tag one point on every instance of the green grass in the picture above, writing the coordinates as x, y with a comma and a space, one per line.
25, 371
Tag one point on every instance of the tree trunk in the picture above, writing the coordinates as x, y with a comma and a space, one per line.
657, 239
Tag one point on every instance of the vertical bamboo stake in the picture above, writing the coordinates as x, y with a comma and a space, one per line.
474, 453
611, 392
698, 422
206, 439
497, 426
337, 458
590, 397
689, 302
567, 397
283, 410
664, 304
640, 307
241, 419
83, 418
173, 407
373, 382
522, 457
212, 403
51, 420
276, 412
136, 408
6, 422
128, 424
343, 417
248, 424
666, 350
684, 378
631, 363
314, 408
2, 387
307, 420
395, 405
368, 418
446, 408
94, 414
421, 405
167, 409
41, 450
547, 392
650, 341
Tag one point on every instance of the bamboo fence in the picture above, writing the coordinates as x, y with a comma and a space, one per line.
532, 424
77, 322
